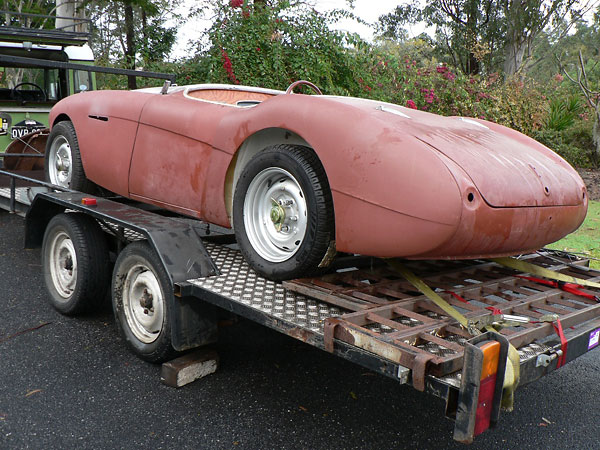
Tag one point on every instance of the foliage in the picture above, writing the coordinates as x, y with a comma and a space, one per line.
585, 239
436, 88
554, 53
467, 32
493, 35
274, 46
44, 7
562, 112
150, 39
575, 144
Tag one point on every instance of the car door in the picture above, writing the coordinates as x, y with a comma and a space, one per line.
172, 152
106, 123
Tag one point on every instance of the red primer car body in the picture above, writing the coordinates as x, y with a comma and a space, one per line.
405, 183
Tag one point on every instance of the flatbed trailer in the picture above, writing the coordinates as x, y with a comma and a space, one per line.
363, 310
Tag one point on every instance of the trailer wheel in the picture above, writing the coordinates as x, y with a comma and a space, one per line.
62, 164
75, 263
140, 297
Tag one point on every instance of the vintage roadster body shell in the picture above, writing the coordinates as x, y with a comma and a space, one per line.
404, 183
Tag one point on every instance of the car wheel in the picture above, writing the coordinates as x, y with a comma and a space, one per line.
75, 263
283, 212
63, 164
140, 297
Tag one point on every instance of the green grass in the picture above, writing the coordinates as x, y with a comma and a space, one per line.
587, 238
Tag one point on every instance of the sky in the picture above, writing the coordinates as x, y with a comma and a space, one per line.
368, 10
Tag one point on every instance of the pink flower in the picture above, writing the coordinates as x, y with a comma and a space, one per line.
449, 76
410, 104
558, 77
228, 67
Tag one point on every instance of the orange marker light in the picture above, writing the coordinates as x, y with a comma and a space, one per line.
491, 354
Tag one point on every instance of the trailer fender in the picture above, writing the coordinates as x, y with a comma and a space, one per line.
178, 246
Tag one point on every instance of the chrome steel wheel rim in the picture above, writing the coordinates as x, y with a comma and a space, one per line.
63, 265
60, 165
143, 303
275, 214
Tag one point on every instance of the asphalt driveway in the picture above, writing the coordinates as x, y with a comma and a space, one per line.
71, 383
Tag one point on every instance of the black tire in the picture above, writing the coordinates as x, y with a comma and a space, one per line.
312, 251
136, 268
77, 181
75, 263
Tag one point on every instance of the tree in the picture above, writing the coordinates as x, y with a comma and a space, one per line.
133, 32
474, 31
592, 96
46, 7
69, 14
525, 20
275, 43
467, 31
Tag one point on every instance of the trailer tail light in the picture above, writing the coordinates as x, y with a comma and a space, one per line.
489, 372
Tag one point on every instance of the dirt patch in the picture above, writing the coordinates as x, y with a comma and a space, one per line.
591, 178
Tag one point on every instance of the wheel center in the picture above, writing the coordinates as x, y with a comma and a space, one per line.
62, 164
146, 300
68, 264
277, 214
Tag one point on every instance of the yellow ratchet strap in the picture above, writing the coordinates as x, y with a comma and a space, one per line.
524, 266
430, 294
471, 326
513, 366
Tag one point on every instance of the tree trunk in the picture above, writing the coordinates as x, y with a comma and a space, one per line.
130, 44
596, 136
145, 44
471, 9
514, 54
71, 10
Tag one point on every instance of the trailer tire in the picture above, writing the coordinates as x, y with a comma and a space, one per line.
141, 302
62, 164
75, 263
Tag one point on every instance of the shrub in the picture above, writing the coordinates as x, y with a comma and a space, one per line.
575, 143
562, 112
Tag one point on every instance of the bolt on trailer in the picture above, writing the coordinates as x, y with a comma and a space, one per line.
470, 332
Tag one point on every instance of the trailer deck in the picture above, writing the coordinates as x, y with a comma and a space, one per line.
398, 324
364, 310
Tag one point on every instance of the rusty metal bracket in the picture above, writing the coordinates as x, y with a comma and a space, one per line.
419, 370
329, 333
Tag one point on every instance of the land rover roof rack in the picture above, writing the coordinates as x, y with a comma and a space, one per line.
21, 61
26, 27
